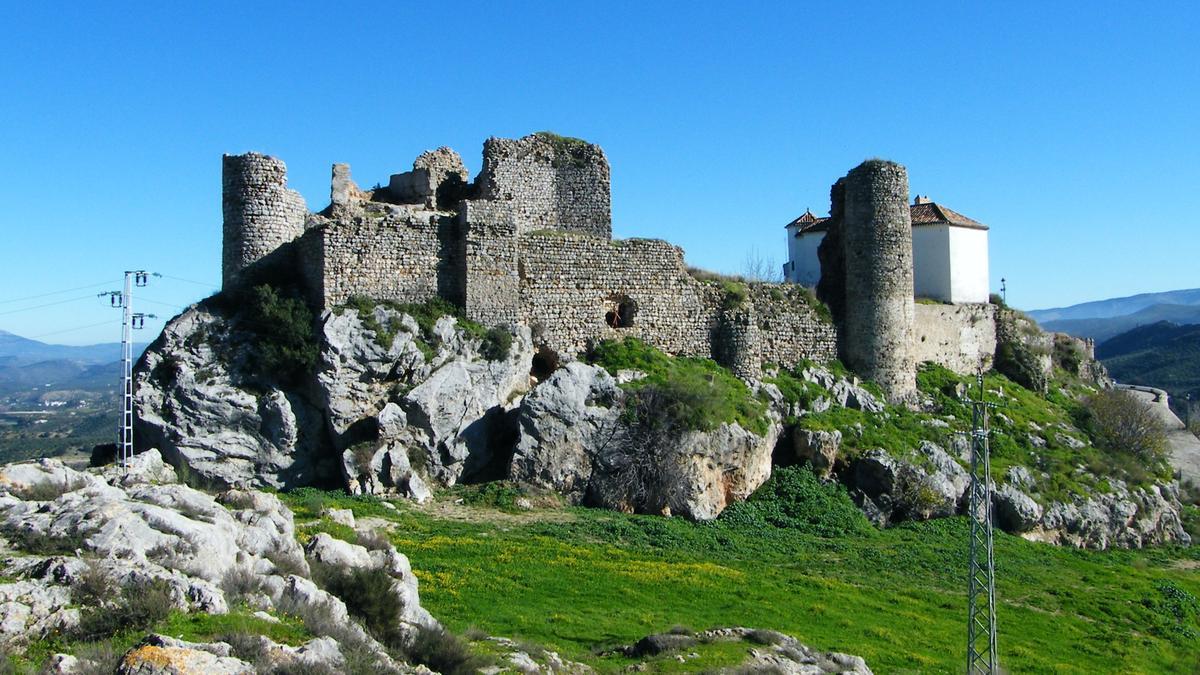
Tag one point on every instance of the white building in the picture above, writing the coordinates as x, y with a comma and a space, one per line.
950, 253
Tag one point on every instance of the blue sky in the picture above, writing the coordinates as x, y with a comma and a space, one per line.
1071, 129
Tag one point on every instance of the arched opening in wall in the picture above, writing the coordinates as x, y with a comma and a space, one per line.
545, 362
619, 311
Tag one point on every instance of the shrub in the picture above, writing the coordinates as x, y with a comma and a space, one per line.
49, 490
444, 652
141, 606
374, 540
1016, 360
795, 499
1119, 421
240, 582
496, 344
284, 336
368, 595
44, 543
94, 588
679, 393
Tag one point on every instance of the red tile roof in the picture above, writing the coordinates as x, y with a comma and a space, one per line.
926, 213
932, 213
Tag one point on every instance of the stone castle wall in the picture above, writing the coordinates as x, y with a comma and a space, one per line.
383, 251
573, 288
876, 232
959, 337
549, 182
260, 212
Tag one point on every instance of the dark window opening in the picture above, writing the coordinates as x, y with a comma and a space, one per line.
620, 313
545, 362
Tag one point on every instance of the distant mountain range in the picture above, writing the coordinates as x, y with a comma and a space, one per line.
27, 365
18, 351
1116, 307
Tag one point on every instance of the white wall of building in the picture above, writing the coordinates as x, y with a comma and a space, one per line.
931, 262
969, 266
950, 263
804, 267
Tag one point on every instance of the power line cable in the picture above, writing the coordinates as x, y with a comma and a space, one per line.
48, 304
69, 330
46, 295
189, 281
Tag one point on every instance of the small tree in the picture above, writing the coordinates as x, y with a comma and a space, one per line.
761, 267
1122, 422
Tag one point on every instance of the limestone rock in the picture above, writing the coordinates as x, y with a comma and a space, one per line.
572, 440
1122, 518
1015, 511
161, 655
561, 423
819, 448
890, 489
198, 404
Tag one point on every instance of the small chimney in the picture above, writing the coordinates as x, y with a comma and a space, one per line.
922, 199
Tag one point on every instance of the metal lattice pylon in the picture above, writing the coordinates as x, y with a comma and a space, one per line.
981, 583
130, 321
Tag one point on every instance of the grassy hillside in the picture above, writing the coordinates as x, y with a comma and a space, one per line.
1162, 355
797, 558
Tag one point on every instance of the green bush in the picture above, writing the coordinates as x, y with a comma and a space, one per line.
496, 344
281, 325
1018, 363
1121, 422
141, 606
445, 652
795, 499
369, 597
690, 393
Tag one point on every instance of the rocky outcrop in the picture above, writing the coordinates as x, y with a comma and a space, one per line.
1122, 518
407, 413
930, 485
200, 404
767, 651
573, 438
389, 409
68, 534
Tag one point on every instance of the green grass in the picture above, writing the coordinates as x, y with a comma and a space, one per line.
197, 627
495, 342
577, 579
706, 394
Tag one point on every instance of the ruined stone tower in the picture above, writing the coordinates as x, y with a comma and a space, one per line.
876, 240
260, 212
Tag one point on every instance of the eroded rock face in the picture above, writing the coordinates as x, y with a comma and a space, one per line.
1123, 518
199, 405
402, 421
572, 439
890, 489
131, 527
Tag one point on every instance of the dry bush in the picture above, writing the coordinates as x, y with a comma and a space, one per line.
1121, 422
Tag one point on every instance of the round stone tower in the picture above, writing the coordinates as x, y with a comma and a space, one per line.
260, 212
878, 313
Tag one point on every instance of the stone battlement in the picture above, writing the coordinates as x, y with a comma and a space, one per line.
529, 242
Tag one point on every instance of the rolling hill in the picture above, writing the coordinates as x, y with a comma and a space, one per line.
1103, 328
1162, 354
1114, 307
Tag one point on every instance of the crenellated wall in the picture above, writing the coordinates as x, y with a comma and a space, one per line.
260, 212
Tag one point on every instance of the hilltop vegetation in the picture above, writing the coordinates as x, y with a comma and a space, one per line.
799, 558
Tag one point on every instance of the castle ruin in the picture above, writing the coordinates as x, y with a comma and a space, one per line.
530, 241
